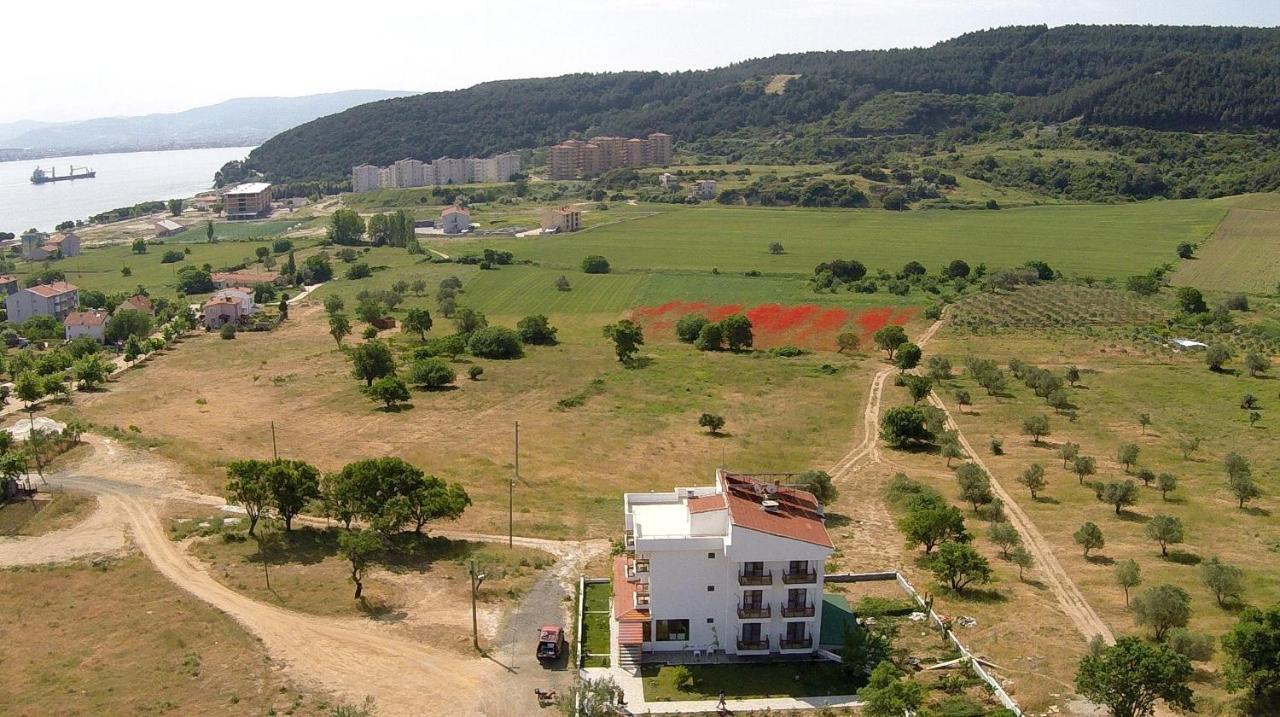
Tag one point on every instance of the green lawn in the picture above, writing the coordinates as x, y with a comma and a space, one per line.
596, 597
1097, 240
749, 681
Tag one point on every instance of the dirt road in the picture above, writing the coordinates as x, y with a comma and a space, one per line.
348, 657
867, 452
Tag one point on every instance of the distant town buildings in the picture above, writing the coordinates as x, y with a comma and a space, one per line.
455, 220
411, 172
704, 189
57, 300
38, 246
247, 201
8, 284
564, 219
578, 158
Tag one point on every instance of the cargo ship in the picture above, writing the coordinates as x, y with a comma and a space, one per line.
42, 177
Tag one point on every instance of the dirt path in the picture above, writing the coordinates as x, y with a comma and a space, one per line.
349, 657
867, 452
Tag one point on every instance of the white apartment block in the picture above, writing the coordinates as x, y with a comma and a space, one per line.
734, 568
411, 172
58, 300
365, 178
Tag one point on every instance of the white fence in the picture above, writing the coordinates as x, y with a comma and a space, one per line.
925, 607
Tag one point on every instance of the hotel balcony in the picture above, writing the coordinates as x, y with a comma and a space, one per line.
642, 595
797, 611
638, 570
753, 645
754, 612
765, 578
804, 643
800, 577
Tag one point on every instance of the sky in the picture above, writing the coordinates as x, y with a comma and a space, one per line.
73, 59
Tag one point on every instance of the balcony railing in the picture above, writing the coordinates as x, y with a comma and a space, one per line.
744, 645
765, 578
797, 611
803, 643
793, 577
750, 612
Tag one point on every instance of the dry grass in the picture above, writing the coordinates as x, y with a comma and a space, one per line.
421, 588
120, 639
211, 401
45, 514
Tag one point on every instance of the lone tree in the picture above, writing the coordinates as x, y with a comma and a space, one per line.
247, 486
1162, 608
889, 339
975, 485
1188, 445
847, 342
775, 248
418, 320
902, 426
1033, 478
371, 361
736, 331
1036, 426
595, 264
1089, 537
1119, 495
1225, 581
1004, 535
291, 484
1243, 487
1165, 530
1022, 558
963, 399
1144, 420
1127, 455
907, 358
819, 484
339, 328
918, 386
627, 338
389, 390
932, 523
712, 422
1256, 364
1073, 376
891, 694
1252, 648
1068, 452
1084, 466
1216, 356
360, 548
959, 565
1128, 575
1165, 483
1129, 676
562, 284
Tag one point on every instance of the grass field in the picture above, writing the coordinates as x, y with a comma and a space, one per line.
120, 639
1100, 241
45, 515
1242, 255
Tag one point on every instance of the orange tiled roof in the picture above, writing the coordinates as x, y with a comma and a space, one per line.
624, 594
706, 503
798, 515
87, 319
49, 291
455, 209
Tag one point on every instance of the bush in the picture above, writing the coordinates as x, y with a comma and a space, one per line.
495, 342
227, 332
789, 351
431, 373
595, 264
1191, 645
536, 330
683, 678
688, 327
475, 372
172, 257
359, 271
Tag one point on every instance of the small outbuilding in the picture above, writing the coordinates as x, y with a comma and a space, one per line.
168, 228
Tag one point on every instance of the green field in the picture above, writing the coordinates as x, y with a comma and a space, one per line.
1101, 241
1241, 255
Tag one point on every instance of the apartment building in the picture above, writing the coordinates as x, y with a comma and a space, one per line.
58, 300
576, 158
704, 189
561, 220
247, 201
409, 173
450, 170
733, 568
366, 178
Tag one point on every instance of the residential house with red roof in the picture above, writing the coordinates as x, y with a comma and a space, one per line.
455, 219
86, 323
733, 568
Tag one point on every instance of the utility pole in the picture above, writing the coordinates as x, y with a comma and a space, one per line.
274, 453
511, 494
476, 580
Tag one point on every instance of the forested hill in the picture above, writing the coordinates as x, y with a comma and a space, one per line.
1165, 78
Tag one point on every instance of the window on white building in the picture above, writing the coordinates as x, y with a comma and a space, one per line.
671, 630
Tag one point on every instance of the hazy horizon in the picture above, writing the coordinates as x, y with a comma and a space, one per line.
452, 47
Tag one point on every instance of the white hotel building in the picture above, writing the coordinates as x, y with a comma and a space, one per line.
411, 172
735, 568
